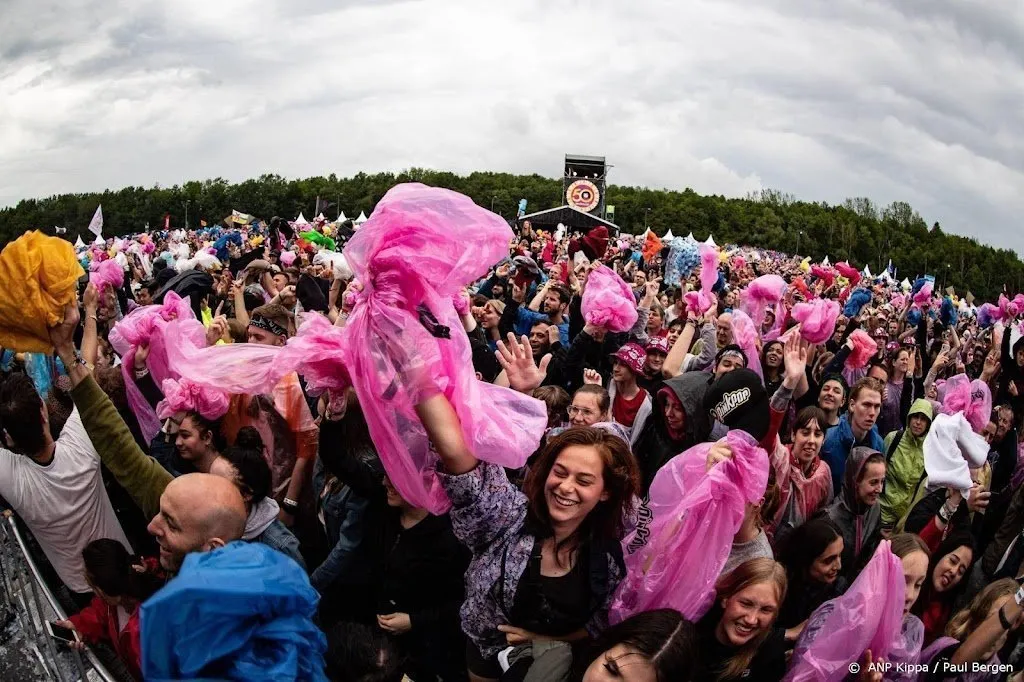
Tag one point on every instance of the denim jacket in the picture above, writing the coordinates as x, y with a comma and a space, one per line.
343, 513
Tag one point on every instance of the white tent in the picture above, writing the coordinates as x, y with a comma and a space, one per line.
301, 220
825, 263
361, 219
100, 240
341, 217
905, 284
690, 237
867, 273
321, 219
668, 236
646, 232
711, 242
79, 244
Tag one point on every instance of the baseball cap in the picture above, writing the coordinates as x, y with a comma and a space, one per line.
739, 400
658, 344
632, 355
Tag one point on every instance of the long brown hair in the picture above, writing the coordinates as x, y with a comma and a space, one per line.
621, 477
751, 572
970, 618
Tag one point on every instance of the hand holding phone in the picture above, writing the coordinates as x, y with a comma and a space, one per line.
64, 632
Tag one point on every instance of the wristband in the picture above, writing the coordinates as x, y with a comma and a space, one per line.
1019, 597
290, 505
1002, 620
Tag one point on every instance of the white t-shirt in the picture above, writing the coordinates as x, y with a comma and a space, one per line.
64, 504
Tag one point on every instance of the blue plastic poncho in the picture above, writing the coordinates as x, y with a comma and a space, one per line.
242, 612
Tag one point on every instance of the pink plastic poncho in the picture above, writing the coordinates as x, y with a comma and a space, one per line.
764, 291
817, 319
186, 396
849, 272
148, 326
702, 300
973, 398
675, 554
420, 247
744, 335
924, 294
868, 616
106, 274
864, 347
824, 274
898, 301
608, 301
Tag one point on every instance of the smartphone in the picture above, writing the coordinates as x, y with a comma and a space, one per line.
62, 633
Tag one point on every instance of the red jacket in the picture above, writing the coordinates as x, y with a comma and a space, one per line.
97, 622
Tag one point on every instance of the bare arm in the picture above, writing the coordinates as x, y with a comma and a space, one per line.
674, 360
445, 433
90, 334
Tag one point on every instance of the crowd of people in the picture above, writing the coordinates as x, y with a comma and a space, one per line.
443, 448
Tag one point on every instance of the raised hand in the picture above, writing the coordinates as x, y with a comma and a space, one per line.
591, 376
516, 358
795, 360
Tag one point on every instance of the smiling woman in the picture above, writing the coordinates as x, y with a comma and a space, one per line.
547, 560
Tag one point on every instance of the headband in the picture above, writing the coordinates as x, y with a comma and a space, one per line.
269, 325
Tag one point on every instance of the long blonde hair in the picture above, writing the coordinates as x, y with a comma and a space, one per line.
972, 616
752, 572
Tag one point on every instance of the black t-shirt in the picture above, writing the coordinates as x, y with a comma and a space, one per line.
767, 665
553, 606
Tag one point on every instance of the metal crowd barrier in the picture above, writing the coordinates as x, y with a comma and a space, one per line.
25, 596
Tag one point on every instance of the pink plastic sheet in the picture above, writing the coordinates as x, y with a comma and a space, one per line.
147, 326
824, 274
608, 301
864, 347
676, 553
108, 273
708, 267
817, 319
744, 335
849, 272
420, 247
924, 294
186, 396
868, 616
973, 398
764, 291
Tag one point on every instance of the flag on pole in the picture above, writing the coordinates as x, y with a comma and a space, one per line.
96, 224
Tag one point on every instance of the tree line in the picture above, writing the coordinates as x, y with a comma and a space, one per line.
857, 230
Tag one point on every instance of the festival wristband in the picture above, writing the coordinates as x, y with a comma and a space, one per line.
1019, 597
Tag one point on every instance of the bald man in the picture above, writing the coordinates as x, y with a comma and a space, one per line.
723, 330
198, 513
194, 513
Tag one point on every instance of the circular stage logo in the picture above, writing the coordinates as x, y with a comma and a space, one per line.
583, 195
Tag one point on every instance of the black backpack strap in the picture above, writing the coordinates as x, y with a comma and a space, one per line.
893, 445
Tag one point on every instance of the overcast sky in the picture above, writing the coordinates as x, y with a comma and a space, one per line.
914, 100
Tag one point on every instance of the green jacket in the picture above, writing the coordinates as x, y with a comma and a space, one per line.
140, 475
905, 468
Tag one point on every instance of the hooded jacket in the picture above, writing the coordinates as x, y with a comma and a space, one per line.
654, 446
859, 525
839, 441
905, 467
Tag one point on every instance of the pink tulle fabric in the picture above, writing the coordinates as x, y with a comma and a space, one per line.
147, 326
106, 274
863, 348
849, 272
744, 335
182, 395
608, 301
824, 274
420, 247
817, 319
739, 262
924, 294
898, 301
973, 398
287, 258
674, 559
868, 616
764, 291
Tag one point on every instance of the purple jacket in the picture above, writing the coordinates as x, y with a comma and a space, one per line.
489, 517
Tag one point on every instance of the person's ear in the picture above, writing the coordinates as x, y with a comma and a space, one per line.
479, 376
605, 495
212, 544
